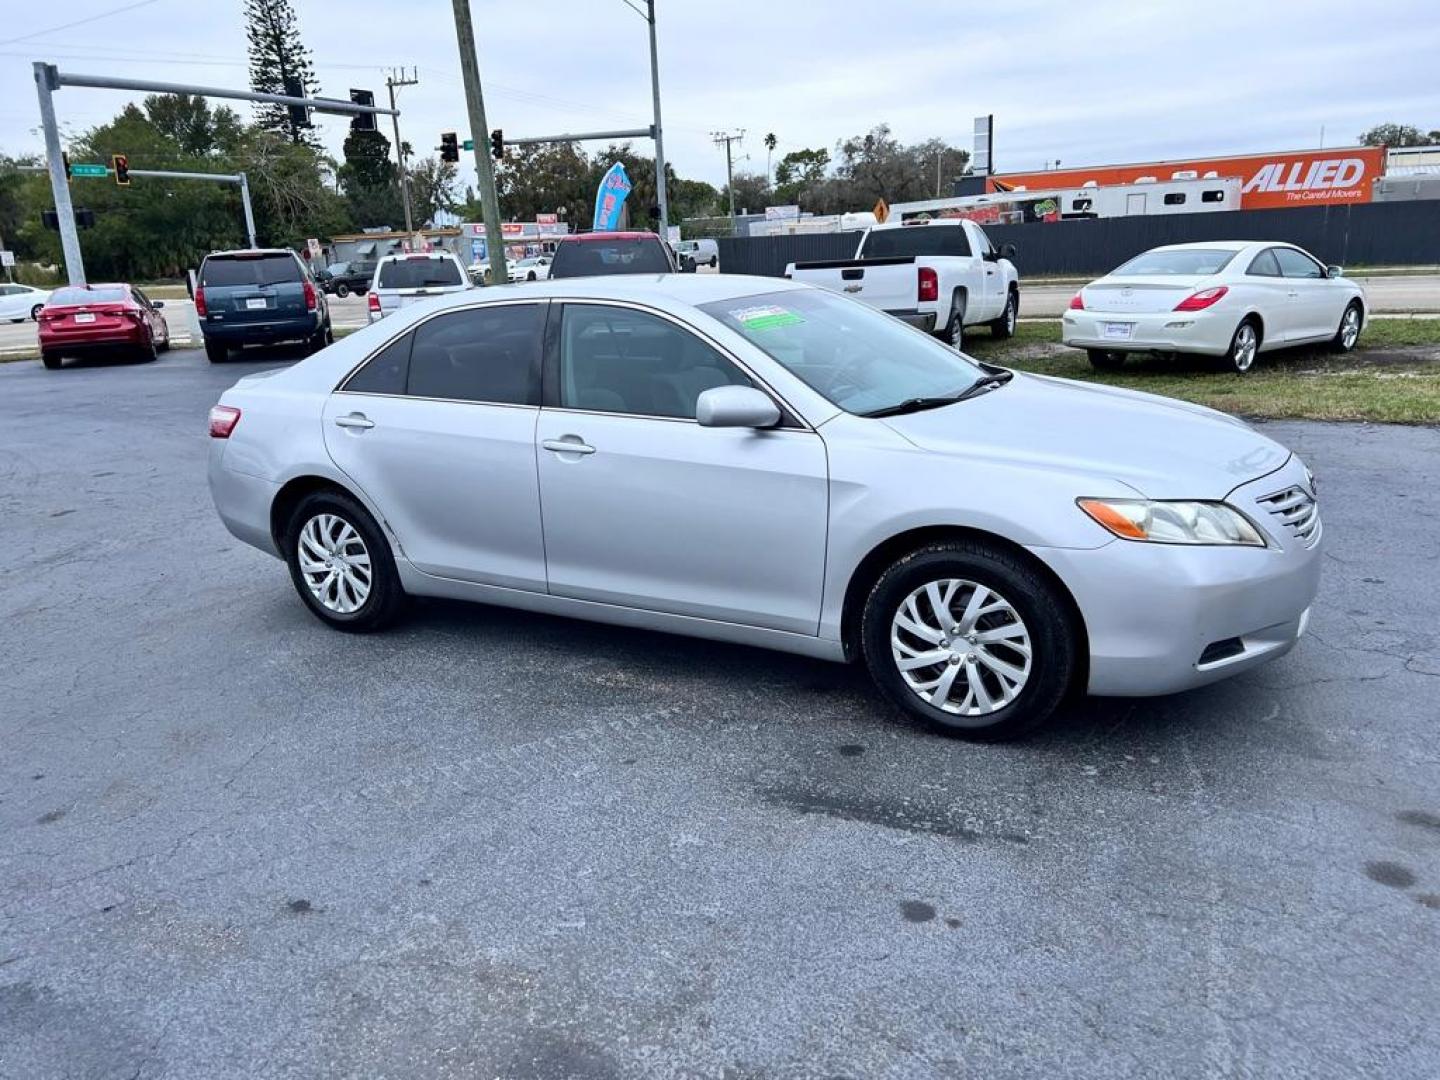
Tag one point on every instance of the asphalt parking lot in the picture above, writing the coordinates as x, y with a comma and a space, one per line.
234, 843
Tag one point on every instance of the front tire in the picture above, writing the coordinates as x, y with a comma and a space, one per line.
341, 565
1004, 326
969, 639
1244, 347
342, 290
1349, 332
1105, 359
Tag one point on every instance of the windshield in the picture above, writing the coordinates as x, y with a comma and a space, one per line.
88, 296
916, 240
860, 359
220, 270
419, 274
1180, 262
337, 268
636, 255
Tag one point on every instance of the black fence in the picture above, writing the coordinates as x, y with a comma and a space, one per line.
1371, 234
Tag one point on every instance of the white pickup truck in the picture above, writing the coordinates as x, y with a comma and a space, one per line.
941, 276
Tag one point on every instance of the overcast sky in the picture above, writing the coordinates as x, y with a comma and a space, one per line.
1093, 83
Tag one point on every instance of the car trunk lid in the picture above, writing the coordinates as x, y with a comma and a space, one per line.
1139, 295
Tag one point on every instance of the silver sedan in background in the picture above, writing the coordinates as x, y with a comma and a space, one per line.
762, 462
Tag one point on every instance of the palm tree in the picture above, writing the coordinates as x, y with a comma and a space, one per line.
770, 142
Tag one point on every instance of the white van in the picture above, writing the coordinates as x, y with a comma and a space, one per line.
704, 252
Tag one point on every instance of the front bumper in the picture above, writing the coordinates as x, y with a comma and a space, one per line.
1207, 333
1152, 611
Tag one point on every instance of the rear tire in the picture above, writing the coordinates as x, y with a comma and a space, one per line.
333, 573
1349, 332
51, 360
1105, 359
954, 332
342, 290
1244, 347
217, 352
148, 352
321, 338
1004, 665
1004, 326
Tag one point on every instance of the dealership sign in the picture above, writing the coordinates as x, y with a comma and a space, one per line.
610, 198
1291, 178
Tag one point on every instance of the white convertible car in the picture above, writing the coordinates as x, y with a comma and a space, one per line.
1232, 299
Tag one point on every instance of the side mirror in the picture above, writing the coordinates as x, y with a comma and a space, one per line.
157, 304
1008, 251
736, 406
1334, 271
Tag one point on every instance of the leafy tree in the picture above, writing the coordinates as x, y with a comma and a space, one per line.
287, 184
432, 188
277, 56
1394, 135
752, 193
798, 172
541, 179
370, 180
191, 123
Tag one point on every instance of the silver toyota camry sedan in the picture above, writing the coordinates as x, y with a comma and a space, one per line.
758, 461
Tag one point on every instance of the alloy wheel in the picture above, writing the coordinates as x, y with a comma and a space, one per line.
961, 647
335, 563
1010, 316
1350, 328
1245, 347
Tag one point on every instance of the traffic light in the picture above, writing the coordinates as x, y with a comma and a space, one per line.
449, 146
66, 159
497, 144
299, 114
84, 219
362, 121
121, 164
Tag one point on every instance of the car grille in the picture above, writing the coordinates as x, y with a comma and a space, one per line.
1298, 512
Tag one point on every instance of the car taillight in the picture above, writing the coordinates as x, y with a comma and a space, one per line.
200, 302
1203, 299
929, 284
223, 419
372, 302
309, 295
1077, 302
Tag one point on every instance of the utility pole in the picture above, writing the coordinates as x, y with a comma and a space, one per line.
391, 82
484, 167
938, 159
59, 182
722, 137
659, 142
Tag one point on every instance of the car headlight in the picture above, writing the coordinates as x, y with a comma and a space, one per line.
1167, 522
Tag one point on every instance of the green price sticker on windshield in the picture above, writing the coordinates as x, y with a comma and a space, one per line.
766, 318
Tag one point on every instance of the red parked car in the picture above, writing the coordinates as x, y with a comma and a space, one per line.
101, 320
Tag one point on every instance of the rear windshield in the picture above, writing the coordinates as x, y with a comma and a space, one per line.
89, 296
419, 274
583, 258
916, 240
1182, 262
249, 270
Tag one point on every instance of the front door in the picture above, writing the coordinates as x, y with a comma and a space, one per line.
645, 508
438, 429
1316, 303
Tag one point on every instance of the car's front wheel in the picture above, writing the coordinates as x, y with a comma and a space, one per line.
341, 565
1004, 326
1349, 332
342, 290
970, 639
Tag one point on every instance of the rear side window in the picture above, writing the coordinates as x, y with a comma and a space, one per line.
488, 354
387, 370
222, 270
917, 240
633, 255
419, 274
1264, 265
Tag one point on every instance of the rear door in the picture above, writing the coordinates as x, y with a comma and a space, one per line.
438, 430
247, 289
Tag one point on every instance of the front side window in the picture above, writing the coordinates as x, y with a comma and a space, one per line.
615, 359
486, 354
1296, 264
860, 359
1264, 265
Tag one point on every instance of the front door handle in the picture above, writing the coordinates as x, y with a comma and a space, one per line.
570, 444
354, 420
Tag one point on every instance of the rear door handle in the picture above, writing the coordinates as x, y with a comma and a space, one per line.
570, 444
354, 420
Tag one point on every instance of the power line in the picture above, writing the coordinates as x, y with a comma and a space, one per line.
79, 22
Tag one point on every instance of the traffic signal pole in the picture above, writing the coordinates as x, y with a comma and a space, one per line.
484, 167
59, 182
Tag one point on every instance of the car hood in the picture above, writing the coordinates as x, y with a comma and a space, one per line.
1164, 449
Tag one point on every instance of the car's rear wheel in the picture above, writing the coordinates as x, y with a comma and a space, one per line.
1004, 326
1244, 347
953, 333
341, 564
1105, 359
321, 338
35, 313
1349, 332
216, 352
51, 360
342, 290
148, 351
969, 639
